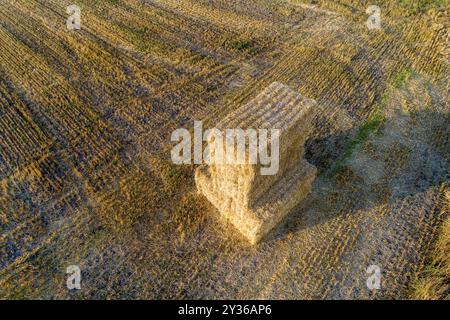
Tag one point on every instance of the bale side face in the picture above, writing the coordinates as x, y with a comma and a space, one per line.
257, 221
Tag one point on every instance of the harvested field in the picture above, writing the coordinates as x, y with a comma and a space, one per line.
86, 118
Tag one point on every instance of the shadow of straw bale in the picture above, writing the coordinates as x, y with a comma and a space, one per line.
405, 155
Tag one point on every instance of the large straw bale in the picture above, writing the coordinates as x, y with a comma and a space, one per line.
239, 191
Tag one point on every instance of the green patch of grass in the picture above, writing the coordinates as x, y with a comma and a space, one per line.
241, 45
419, 6
401, 78
371, 126
374, 122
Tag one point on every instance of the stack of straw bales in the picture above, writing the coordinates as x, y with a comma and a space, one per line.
252, 202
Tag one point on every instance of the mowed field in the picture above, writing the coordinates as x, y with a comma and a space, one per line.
86, 118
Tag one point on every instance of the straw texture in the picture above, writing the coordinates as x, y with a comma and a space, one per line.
252, 202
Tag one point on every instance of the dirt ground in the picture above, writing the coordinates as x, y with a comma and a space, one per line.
85, 124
